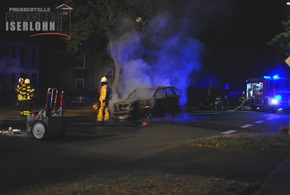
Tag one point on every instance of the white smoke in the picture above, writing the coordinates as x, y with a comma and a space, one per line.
155, 57
167, 51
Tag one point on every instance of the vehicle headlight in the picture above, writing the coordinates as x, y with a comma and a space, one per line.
274, 101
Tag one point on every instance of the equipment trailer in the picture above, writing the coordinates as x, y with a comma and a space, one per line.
49, 121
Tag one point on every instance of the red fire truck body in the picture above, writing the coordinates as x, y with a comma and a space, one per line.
268, 93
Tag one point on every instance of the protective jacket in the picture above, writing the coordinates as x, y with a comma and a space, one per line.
19, 95
29, 92
105, 94
22, 91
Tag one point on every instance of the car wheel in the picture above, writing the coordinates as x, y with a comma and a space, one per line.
38, 130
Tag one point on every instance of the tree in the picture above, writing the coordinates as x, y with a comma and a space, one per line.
281, 42
95, 22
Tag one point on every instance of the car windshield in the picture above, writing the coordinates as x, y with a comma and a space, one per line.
142, 93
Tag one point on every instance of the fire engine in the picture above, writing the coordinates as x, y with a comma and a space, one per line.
269, 93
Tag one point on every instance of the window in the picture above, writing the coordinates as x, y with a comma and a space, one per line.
1, 51
176, 91
33, 79
33, 57
160, 93
80, 63
22, 56
1, 81
23, 75
80, 83
169, 92
13, 79
6, 51
13, 52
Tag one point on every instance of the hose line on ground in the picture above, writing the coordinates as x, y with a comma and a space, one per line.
242, 104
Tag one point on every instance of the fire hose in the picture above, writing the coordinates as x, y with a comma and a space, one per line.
241, 105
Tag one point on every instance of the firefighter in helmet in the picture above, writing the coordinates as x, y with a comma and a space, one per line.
28, 92
103, 112
242, 100
20, 97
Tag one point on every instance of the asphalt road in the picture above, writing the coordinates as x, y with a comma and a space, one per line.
91, 148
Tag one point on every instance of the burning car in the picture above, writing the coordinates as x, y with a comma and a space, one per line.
148, 102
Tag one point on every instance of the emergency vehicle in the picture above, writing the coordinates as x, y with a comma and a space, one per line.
268, 93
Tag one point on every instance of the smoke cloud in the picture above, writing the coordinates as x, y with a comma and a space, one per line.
165, 53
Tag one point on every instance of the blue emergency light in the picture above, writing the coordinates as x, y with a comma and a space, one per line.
275, 77
278, 97
267, 77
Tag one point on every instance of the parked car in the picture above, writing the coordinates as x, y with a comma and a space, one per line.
80, 98
148, 103
212, 103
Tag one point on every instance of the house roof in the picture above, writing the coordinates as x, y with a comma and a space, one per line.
64, 7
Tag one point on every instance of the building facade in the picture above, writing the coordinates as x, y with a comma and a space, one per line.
17, 59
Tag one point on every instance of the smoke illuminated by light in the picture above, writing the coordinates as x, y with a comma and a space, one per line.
156, 57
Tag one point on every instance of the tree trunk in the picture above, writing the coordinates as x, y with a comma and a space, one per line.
115, 83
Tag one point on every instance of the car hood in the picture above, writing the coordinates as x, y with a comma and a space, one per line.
132, 101
126, 101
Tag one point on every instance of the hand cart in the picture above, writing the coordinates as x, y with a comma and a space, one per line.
49, 121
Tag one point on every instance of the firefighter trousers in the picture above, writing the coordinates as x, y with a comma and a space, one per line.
27, 107
21, 106
103, 113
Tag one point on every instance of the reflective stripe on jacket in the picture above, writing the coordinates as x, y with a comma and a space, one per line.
29, 92
22, 91
18, 89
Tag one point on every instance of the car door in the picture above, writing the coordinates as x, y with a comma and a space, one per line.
160, 102
172, 100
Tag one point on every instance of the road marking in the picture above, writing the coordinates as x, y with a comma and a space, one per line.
259, 122
229, 132
274, 117
246, 126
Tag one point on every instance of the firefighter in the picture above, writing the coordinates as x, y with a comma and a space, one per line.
28, 92
242, 100
20, 97
103, 112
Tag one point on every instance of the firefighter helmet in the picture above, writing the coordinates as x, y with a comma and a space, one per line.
104, 80
20, 80
27, 81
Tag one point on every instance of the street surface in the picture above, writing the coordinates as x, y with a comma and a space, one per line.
91, 148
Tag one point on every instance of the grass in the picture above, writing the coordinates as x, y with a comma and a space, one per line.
245, 142
138, 183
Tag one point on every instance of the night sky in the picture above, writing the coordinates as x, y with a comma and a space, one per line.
233, 31
240, 36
